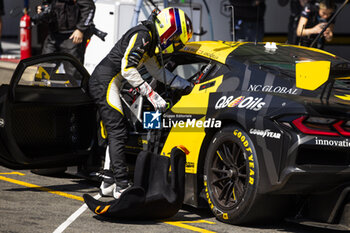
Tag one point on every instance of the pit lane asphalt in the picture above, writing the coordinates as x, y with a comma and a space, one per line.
35, 203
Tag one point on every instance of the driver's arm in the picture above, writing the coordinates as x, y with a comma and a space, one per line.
133, 57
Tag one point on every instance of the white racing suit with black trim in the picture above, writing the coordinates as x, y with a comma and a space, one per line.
130, 52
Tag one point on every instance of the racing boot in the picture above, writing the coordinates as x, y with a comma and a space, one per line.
120, 188
107, 185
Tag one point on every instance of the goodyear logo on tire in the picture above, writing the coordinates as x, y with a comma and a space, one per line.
245, 143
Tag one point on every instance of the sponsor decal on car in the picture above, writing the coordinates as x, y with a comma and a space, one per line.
265, 133
189, 165
343, 97
272, 89
326, 142
249, 150
235, 102
249, 103
211, 55
211, 205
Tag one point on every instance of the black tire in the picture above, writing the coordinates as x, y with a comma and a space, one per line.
231, 176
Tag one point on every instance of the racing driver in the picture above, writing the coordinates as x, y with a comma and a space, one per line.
167, 32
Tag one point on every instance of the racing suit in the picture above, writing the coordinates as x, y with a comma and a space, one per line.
134, 49
296, 6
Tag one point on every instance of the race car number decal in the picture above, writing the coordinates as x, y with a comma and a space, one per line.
250, 103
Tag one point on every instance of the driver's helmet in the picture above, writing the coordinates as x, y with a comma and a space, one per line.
174, 29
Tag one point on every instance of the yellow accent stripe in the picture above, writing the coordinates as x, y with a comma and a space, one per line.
130, 46
103, 130
12, 173
102, 211
219, 155
233, 192
107, 97
192, 228
41, 188
344, 97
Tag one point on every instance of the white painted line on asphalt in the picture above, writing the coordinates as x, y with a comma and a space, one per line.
73, 217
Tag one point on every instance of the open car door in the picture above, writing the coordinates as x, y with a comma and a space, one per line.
47, 118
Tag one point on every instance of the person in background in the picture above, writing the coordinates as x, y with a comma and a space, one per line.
2, 12
69, 22
313, 19
249, 19
296, 6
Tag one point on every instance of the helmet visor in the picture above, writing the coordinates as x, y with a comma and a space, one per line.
189, 28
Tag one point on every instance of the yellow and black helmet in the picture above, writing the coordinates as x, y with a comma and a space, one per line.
174, 29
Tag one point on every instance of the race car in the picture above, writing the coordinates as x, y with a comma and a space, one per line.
267, 127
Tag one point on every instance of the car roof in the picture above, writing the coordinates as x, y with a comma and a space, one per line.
259, 53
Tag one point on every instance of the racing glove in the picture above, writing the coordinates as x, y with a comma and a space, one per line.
157, 101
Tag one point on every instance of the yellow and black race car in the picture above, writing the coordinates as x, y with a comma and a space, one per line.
266, 126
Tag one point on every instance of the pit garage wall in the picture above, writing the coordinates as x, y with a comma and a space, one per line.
220, 17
